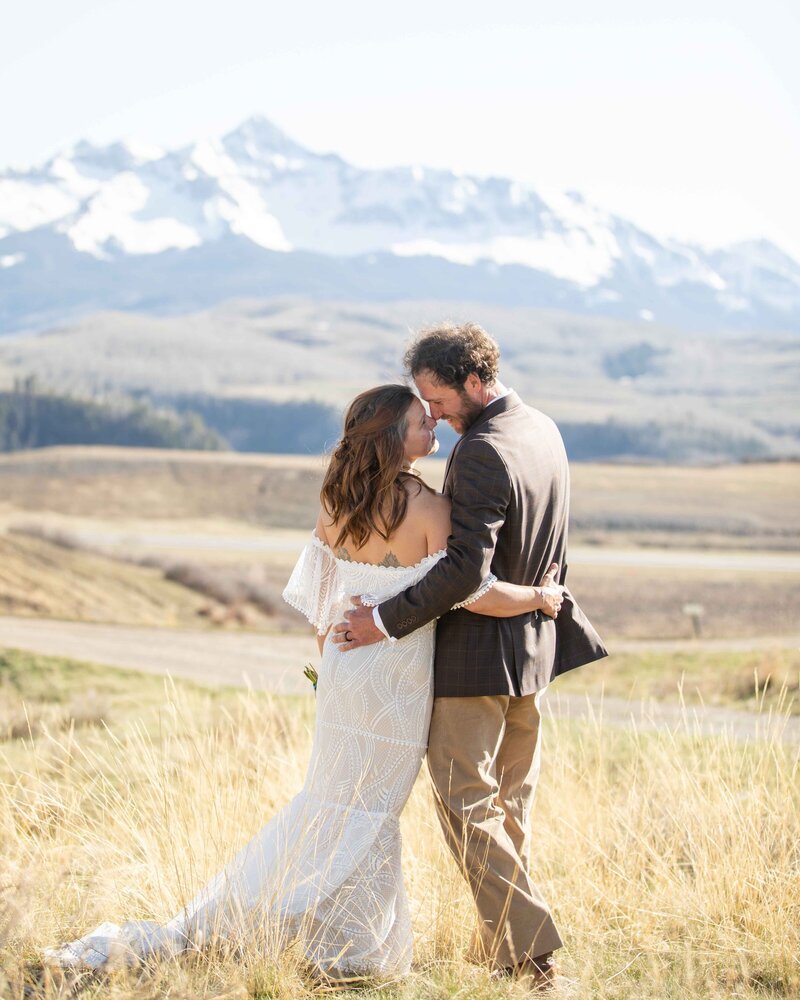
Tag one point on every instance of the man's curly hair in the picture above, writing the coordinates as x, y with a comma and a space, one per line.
451, 352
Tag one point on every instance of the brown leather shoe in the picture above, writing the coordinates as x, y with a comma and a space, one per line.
538, 974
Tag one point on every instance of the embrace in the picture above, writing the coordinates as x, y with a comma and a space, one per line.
441, 619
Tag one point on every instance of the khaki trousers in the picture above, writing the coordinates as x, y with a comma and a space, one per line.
483, 756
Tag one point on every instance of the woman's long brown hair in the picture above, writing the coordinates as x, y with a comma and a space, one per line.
364, 489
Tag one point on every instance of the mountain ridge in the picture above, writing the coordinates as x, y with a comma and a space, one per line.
255, 194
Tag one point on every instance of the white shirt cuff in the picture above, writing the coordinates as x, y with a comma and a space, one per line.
379, 624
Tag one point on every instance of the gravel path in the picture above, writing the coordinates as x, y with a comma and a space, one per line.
275, 662
260, 660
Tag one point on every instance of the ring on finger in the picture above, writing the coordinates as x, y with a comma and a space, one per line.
347, 637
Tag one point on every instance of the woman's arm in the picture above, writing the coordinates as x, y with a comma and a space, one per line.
320, 528
322, 535
505, 600
321, 641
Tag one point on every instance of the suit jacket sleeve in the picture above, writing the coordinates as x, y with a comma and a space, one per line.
480, 489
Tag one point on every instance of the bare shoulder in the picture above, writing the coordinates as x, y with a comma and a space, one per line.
325, 525
439, 506
426, 502
431, 512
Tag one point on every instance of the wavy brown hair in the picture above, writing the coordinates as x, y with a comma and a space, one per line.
452, 352
365, 486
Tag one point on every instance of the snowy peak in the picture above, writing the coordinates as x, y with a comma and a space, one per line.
764, 255
256, 184
258, 139
116, 157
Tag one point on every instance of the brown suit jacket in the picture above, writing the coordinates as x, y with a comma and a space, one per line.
508, 482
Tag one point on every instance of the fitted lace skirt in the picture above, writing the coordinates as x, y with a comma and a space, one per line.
326, 869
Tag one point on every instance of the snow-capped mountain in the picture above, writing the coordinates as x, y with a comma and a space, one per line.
254, 213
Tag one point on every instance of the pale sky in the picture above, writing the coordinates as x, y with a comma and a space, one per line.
682, 116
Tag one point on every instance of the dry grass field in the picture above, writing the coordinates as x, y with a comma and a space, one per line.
753, 505
671, 860
41, 579
152, 484
761, 680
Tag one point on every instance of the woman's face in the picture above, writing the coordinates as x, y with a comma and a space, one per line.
420, 438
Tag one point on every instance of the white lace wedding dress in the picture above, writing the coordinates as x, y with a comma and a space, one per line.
326, 868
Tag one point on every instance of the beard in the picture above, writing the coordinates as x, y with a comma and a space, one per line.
471, 409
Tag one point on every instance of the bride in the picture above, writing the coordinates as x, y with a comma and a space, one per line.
326, 869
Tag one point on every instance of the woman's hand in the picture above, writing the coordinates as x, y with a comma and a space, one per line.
550, 593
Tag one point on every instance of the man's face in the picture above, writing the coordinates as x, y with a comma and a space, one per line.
458, 406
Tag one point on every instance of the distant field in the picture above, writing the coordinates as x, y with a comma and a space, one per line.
633, 602
44, 580
750, 505
730, 506
114, 483
252, 513
40, 578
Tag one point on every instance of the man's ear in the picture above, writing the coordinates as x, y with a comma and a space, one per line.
472, 382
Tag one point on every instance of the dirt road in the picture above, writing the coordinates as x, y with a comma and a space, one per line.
275, 662
261, 660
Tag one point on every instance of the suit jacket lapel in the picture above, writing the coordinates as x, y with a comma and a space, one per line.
450, 463
510, 400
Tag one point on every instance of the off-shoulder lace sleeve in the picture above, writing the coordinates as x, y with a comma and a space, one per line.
314, 588
484, 588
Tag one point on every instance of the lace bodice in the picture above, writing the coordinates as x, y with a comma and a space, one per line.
321, 585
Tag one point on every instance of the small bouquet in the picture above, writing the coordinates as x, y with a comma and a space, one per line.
311, 674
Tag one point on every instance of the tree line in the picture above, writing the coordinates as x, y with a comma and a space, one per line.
32, 417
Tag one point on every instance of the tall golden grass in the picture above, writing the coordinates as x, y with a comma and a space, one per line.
672, 860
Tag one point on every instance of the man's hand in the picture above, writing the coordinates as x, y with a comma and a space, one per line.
359, 628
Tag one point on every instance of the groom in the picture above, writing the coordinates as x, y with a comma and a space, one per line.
508, 483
